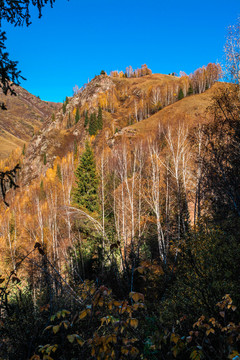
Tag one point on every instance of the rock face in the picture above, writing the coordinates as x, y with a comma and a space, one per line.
23, 118
55, 138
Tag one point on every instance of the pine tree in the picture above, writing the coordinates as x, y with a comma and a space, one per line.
99, 118
86, 120
69, 122
190, 90
44, 159
93, 124
85, 193
180, 94
53, 117
77, 116
24, 149
65, 105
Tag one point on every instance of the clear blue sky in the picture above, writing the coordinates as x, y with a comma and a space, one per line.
75, 40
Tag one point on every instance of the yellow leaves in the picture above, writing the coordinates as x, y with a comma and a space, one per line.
175, 338
209, 331
71, 338
56, 329
196, 355
47, 349
199, 322
84, 313
51, 175
234, 354
100, 302
136, 296
117, 303
105, 320
65, 324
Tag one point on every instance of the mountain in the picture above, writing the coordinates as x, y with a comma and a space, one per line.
23, 118
132, 107
133, 186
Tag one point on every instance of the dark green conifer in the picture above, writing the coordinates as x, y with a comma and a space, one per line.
24, 149
44, 159
180, 94
93, 124
99, 118
53, 117
190, 90
86, 120
77, 116
65, 105
85, 192
69, 121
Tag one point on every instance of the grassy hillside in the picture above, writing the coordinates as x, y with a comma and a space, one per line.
23, 118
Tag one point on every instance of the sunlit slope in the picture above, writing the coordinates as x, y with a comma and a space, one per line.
23, 118
190, 111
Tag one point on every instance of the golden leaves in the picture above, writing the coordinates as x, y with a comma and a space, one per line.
84, 313
136, 296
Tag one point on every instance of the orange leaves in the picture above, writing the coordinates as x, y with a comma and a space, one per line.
136, 296
133, 322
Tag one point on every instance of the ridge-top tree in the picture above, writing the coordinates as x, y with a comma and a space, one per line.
16, 12
85, 193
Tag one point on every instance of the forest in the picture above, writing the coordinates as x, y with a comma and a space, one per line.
118, 244
133, 253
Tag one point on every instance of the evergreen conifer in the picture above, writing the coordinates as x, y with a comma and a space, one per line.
77, 116
64, 108
44, 159
180, 94
190, 90
85, 193
69, 122
93, 124
86, 120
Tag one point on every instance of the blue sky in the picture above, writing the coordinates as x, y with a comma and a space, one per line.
75, 40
